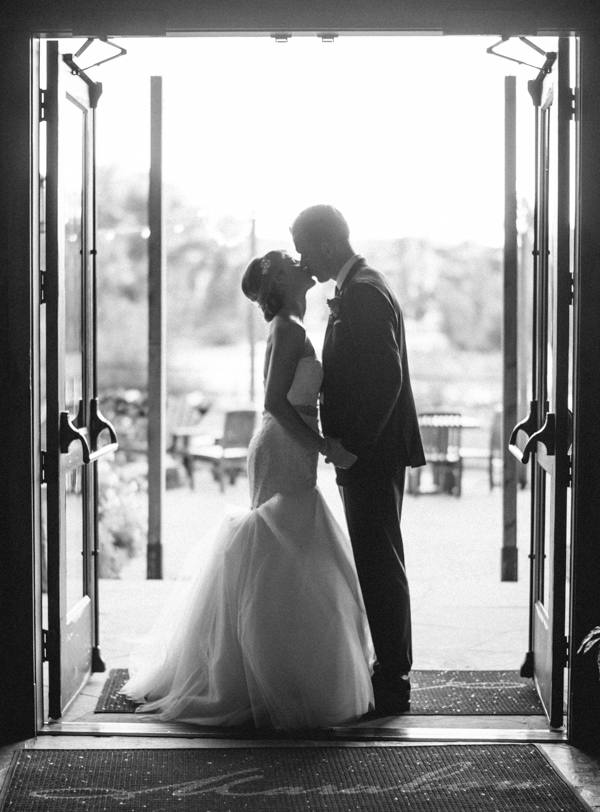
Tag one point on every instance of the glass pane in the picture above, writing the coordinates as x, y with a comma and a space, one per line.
545, 314
72, 177
547, 551
74, 533
540, 521
72, 168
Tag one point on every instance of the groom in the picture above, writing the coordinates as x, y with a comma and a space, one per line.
367, 403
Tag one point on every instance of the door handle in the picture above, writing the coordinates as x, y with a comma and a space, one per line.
98, 424
528, 425
68, 433
546, 436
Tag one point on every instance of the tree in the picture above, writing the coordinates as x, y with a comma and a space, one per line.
469, 296
205, 261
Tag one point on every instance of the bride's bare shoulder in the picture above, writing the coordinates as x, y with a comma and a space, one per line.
286, 329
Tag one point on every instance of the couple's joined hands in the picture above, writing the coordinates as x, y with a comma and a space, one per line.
337, 454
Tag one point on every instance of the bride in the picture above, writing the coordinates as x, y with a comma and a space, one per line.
272, 631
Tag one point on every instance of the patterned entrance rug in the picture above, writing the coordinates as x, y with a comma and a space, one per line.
460, 693
435, 778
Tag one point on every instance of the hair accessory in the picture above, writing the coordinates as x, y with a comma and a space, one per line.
265, 264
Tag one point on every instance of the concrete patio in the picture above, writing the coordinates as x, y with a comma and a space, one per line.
464, 617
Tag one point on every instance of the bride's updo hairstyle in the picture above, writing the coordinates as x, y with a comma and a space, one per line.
258, 283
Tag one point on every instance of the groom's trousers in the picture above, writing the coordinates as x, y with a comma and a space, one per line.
373, 508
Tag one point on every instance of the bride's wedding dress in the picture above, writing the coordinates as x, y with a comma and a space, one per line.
273, 630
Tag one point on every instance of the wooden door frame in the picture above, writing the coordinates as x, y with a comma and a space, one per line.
20, 571
19, 285
584, 686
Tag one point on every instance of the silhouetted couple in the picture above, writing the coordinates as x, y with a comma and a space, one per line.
290, 624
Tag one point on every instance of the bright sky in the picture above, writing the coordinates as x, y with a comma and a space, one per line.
405, 135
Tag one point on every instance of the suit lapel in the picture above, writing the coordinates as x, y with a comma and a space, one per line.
360, 263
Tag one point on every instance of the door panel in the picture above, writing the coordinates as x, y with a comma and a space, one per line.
552, 454
548, 429
70, 396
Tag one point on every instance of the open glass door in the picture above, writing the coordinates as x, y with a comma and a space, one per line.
548, 426
74, 424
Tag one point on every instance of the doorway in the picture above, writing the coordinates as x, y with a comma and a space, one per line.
426, 268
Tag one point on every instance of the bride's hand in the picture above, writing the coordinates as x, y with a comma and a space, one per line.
337, 454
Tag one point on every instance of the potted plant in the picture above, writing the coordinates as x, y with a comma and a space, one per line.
589, 641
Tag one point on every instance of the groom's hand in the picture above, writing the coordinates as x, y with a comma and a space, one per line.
337, 454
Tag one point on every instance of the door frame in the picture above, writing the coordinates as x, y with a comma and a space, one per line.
20, 528
19, 254
584, 688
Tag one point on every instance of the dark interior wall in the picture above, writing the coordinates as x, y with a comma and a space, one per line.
585, 577
17, 671
17, 291
157, 17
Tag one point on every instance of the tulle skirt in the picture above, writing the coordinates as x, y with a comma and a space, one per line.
272, 630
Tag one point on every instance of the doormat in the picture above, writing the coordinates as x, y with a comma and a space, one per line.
473, 693
110, 700
435, 778
449, 693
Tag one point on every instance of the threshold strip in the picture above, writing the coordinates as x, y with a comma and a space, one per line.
341, 735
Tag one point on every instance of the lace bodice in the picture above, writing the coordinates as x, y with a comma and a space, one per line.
277, 463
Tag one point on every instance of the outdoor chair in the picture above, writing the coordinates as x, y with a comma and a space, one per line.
489, 455
441, 436
128, 411
226, 455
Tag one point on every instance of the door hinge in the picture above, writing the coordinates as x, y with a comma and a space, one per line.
49, 640
570, 471
572, 107
43, 463
571, 288
42, 105
42, 287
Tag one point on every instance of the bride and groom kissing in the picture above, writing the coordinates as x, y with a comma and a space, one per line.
292, 624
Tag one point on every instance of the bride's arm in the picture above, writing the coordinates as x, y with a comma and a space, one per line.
288, 340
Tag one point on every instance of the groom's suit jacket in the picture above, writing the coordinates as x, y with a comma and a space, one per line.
367, 400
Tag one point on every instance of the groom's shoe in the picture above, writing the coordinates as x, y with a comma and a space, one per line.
389, 703
392, 701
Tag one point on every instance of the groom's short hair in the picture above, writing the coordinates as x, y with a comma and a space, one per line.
321, 222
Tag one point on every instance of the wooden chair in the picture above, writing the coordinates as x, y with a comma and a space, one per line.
490, 455
441, 436
184, 417
128, 411
227, 455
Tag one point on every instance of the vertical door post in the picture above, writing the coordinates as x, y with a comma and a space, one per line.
509, 566
156, 336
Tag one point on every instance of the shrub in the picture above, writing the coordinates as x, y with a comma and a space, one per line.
122, 515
